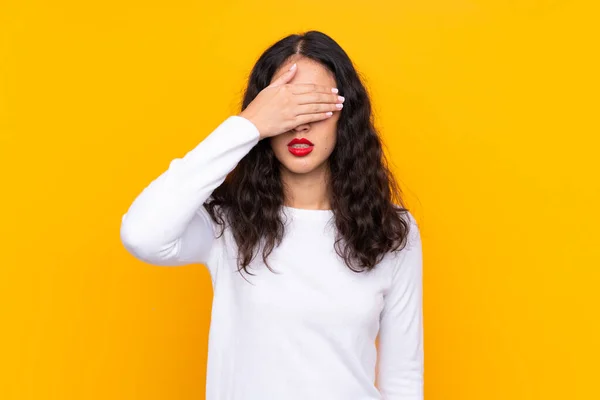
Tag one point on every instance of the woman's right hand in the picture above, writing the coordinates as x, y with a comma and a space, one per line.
281, 106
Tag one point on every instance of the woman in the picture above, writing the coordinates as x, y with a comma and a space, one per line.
299, 178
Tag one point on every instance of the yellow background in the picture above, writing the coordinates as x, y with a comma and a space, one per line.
489, 110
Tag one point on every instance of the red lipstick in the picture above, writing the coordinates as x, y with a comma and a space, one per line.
300, 151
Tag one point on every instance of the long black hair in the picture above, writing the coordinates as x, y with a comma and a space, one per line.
370, 216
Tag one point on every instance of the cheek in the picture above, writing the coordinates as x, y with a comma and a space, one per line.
329, 144
331, 137
277, 142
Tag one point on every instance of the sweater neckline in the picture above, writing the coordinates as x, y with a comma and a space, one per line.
304, 213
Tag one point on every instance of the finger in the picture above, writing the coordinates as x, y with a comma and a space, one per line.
306, 118
317, 108
300, 88
308, 98
286, 76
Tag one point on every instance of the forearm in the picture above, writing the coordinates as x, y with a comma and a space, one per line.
155, 226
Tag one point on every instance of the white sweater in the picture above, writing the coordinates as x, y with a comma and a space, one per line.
306, 332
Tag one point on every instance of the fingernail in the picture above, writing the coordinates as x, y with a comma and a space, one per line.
334, 90
340, 98
292, 67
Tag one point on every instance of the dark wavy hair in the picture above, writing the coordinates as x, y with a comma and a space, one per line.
366, 199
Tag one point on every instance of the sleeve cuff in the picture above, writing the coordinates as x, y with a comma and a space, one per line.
246, 125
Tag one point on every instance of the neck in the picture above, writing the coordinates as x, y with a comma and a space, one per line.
307, 191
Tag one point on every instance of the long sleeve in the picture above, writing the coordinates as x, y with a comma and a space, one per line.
167, 223
401, 355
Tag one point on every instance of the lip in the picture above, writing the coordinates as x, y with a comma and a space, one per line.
300, 141
300, 152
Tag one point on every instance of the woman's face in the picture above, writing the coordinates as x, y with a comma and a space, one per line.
322, 134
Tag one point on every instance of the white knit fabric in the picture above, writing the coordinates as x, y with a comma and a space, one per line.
306, 332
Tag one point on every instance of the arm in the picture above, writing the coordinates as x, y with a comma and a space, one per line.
400, 364
167, 223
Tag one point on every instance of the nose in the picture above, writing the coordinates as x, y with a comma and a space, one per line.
302, 128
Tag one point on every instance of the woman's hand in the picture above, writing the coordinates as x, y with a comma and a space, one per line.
282, 106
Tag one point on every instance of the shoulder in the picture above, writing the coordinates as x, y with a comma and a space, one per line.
411, 248
413, 232
410, 242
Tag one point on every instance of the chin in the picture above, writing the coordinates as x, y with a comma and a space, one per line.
299, 166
